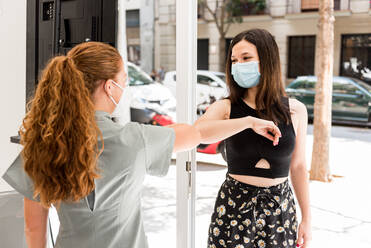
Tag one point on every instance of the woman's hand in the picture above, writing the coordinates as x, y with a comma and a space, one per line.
265, 128
216, 125
304, 235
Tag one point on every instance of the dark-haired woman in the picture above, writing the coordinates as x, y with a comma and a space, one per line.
91, 168
255, 206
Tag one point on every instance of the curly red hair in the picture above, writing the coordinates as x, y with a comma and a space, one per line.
59, 132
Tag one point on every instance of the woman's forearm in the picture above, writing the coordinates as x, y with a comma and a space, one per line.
35, 217
186, 137
300, 182
215, 130
35, 239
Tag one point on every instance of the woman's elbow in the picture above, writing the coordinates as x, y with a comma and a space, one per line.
187, 137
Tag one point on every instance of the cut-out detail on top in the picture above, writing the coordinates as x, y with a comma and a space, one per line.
263, 164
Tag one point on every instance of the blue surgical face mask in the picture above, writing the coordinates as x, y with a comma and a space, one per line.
246, 74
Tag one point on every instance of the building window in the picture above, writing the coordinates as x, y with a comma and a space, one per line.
356, 56
203, 54
205, 80
337, 4
228, 42
134, 54
309, 5
301, 55
200, 11
313, 5
132, 18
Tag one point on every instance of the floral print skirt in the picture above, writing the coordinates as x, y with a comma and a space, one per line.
247, 216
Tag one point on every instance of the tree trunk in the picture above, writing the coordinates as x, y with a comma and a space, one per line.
222, 54
320, 168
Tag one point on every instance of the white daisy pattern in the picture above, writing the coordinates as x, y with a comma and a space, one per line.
285, 204
277, 212
231, 202
222, 195
221, 210
222, 242
267, 212
246, 240
287, 224
220, 222
261, 244
246, 222
260, 223
262, 234
234, 222
248, 216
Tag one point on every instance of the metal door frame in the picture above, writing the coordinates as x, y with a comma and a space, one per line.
186, 66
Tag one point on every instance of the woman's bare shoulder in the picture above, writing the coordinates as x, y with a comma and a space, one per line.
297, 107
219, 110
299, 115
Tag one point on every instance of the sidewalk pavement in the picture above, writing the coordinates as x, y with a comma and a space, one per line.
341, 210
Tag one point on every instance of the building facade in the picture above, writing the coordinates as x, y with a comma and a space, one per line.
293, 23
140, 30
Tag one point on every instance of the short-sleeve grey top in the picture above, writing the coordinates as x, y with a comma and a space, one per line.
111, 215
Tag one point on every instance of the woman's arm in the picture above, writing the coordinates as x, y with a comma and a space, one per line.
35, 218
299, 173
186, 137
215, 124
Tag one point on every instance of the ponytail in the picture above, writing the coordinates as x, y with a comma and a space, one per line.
59, 132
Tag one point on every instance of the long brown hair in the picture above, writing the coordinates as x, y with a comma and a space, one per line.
270, 88
59, 132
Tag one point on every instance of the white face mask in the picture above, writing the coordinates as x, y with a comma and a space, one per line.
116, 111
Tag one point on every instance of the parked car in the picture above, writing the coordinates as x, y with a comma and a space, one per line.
351, 98
210, 87
152, 103
149, 98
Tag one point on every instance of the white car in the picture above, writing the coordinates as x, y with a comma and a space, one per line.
149, 94
211, 86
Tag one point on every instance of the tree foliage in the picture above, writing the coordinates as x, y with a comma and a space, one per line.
226, 12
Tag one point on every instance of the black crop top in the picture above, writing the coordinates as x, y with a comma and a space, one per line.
246, 148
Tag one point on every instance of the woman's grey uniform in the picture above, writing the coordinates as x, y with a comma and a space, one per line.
111, 215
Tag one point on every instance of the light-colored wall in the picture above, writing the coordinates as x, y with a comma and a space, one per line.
165, 34
359, 6
147, 35
165, 45
13, 78
131, 4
